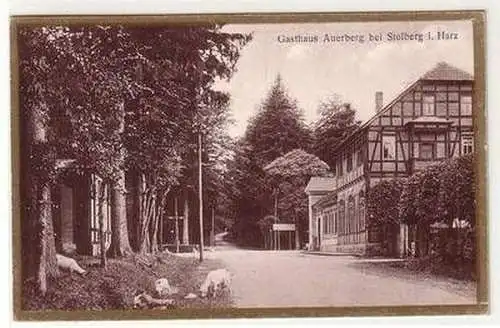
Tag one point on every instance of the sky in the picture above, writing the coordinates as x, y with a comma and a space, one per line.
354, 70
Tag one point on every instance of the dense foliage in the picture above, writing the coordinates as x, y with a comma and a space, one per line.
336, 121
116, 98
441, 193
439, 203
277, 129
383, 202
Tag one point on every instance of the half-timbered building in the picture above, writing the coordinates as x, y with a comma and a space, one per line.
429, 121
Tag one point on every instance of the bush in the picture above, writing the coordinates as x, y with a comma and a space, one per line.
383, 203
456, 197
442, 195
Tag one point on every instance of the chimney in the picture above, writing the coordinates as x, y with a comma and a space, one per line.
379, 101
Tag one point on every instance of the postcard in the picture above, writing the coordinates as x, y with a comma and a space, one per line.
215, 166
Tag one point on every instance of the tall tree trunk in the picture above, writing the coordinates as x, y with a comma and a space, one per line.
153, 226
147, 201
185, 226
102, 232
40, 246
120, 244
47, 263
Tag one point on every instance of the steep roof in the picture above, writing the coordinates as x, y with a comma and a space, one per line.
442, 71
329, 198
445, 72
320, 184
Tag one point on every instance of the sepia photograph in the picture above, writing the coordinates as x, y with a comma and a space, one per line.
247, 166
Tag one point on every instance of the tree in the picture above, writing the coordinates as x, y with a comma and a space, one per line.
92, 79
291, 172
336, 121
80, 82
457, 198
382, 203
277, 128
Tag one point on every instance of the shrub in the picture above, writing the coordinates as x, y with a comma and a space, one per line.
440, 201
383, 202
406, 205
456, 198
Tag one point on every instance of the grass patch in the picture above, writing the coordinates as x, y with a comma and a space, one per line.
419, 270
114, 287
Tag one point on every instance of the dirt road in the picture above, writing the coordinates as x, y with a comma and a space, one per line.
290, 278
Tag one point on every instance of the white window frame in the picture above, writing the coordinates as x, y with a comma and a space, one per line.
465, 105
389, 143
429, 105
467, 144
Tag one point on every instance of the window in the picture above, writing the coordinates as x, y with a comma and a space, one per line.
426, 151
341, 216
428, 106
335, 223
350, 214
466, 105
349, 163
334, 168
359, 158
467, 144
324, 219
361, 211
453, 109
389, 146
453, 96
341, 171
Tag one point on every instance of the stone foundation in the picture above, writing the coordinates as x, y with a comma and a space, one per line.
370, 249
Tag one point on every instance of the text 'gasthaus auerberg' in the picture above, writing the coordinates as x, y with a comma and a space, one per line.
391, 36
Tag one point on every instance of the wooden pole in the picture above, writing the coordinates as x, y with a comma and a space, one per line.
160, 239
185, 226
278, 236
176, 225
101, 192
296, 234
212, 233
200, 194
270, 239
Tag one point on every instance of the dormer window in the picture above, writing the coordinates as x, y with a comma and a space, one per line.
428, 105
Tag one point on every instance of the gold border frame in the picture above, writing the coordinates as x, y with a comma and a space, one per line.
478, 18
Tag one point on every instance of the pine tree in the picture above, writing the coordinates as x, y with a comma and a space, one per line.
276, 129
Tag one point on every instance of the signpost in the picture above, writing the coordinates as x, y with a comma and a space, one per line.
279, 227
284, 226
176, 217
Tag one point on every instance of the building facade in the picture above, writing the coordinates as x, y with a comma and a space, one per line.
429, 121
